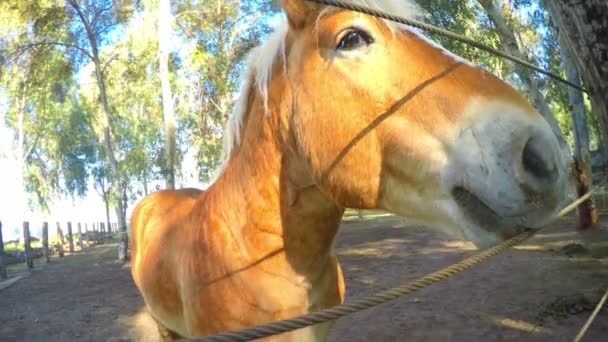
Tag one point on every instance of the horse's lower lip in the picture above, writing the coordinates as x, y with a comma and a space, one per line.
485, 217
477, 210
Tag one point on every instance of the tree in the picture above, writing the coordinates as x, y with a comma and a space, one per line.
37, 83
101, 183
79, 29
90, 23
510, 45
164, 38
584, 26
97, 18
132, 82
221, 32
588, 217
3, 274
59, 165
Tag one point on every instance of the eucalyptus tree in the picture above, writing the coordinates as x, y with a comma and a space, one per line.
132, 82
510, 45
218, 34
584, 28
81, 27
588, 217
38, 83
60, 163
165, 30
569, 104
462, 17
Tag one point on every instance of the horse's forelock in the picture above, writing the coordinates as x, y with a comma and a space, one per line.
408, 9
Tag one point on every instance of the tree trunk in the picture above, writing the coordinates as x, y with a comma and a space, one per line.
1, 240
60, 235
509, 45
584, 25
70, 238
145, 182
107, 136
106, 202
122, 246
45, 242
3, 274
20, 153
588, 217
164, 39
29, 255
80, 245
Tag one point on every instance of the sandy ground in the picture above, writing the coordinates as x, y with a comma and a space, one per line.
542, 290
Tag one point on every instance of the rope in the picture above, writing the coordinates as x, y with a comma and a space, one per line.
338, 311
444, 33
597, 309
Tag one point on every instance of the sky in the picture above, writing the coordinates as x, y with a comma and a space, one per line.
87, 209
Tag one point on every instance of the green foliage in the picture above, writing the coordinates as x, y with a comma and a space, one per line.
220, 34
536, 38
48, 74
465, 17
15, 247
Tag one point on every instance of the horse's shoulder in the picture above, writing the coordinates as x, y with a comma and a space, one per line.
170, 205
169, 198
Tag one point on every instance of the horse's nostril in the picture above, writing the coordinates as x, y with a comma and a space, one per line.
534, 163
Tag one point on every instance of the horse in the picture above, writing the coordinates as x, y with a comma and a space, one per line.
338, 110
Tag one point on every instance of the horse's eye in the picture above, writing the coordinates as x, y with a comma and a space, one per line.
354, 39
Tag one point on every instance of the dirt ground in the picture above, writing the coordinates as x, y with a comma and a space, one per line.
542, 290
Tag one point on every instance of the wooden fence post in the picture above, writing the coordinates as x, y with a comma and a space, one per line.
96, 230
103, 231
80, 236
86, 231
60, 234
29, 257
45, 242
70, 238
3, 274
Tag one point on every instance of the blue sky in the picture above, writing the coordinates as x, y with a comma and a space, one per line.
91, 207
87, 209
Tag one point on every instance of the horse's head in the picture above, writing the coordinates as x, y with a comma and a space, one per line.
383, 118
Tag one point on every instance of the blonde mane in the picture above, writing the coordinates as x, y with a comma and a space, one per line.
258, 67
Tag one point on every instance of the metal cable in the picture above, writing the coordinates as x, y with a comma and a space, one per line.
444, 33
338, 311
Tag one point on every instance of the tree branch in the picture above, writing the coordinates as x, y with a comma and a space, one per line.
47, 43
216, 105
111, 58
87, 26
100, 11
29, 150
78, 10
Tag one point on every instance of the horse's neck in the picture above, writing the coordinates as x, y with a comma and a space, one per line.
271, 206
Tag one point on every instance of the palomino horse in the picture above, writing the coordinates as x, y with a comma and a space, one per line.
339, 109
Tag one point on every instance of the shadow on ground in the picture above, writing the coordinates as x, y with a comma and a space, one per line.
542, 290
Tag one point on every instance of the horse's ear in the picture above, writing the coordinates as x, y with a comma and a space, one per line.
298, 11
